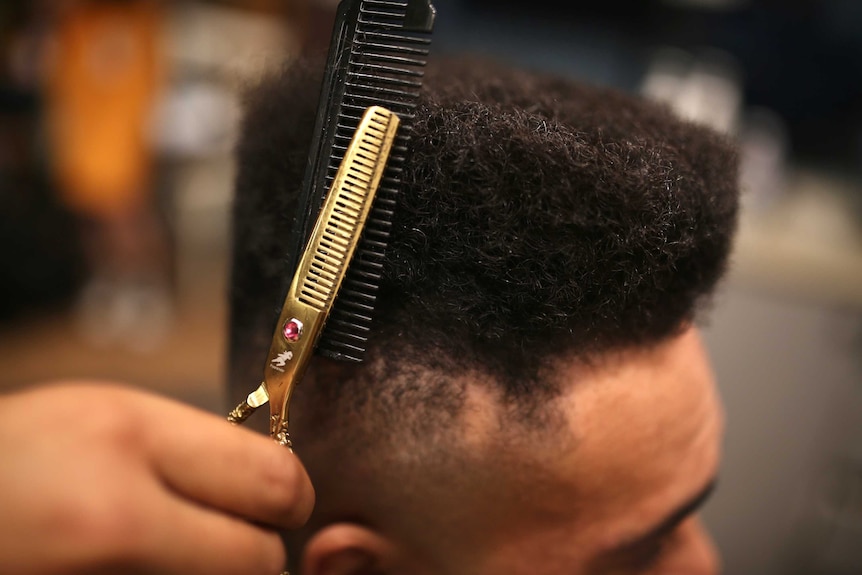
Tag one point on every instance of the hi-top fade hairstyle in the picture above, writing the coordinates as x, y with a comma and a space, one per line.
538, 217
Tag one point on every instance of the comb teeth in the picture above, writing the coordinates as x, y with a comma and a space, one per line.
385, 66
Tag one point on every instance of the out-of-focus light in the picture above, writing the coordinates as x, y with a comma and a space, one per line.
704, 88
225, 40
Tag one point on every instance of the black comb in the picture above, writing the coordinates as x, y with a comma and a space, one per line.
376, 58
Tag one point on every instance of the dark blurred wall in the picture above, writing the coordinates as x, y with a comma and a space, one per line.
40, 262
801, 59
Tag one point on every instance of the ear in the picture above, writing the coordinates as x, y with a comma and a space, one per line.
348, 549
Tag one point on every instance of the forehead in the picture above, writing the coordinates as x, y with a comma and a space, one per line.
647, 431
647, 428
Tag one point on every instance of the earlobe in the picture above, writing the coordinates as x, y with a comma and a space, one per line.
348, 549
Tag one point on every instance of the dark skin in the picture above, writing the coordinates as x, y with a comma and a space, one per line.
613, 487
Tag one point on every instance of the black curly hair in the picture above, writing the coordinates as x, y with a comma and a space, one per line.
538, 216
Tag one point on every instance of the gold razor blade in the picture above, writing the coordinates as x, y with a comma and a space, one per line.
322, 268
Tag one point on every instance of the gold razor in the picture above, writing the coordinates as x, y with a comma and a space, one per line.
322, 268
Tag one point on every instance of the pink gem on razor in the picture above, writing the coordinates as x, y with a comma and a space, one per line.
292, 329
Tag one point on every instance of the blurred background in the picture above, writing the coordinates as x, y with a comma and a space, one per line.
117, 120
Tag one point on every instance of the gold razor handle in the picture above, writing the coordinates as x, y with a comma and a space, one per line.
289, 358
322, 268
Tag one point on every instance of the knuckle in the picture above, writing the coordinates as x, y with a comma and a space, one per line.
104, 414
291, 493
117, 423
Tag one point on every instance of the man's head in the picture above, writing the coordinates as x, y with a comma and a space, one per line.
535, 400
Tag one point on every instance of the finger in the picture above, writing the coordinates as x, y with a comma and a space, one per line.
205, 459
193, 539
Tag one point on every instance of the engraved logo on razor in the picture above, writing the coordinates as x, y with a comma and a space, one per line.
278, 361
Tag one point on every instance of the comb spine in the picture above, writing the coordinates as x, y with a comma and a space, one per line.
385, 66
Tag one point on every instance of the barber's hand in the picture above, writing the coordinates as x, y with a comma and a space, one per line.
103, 479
